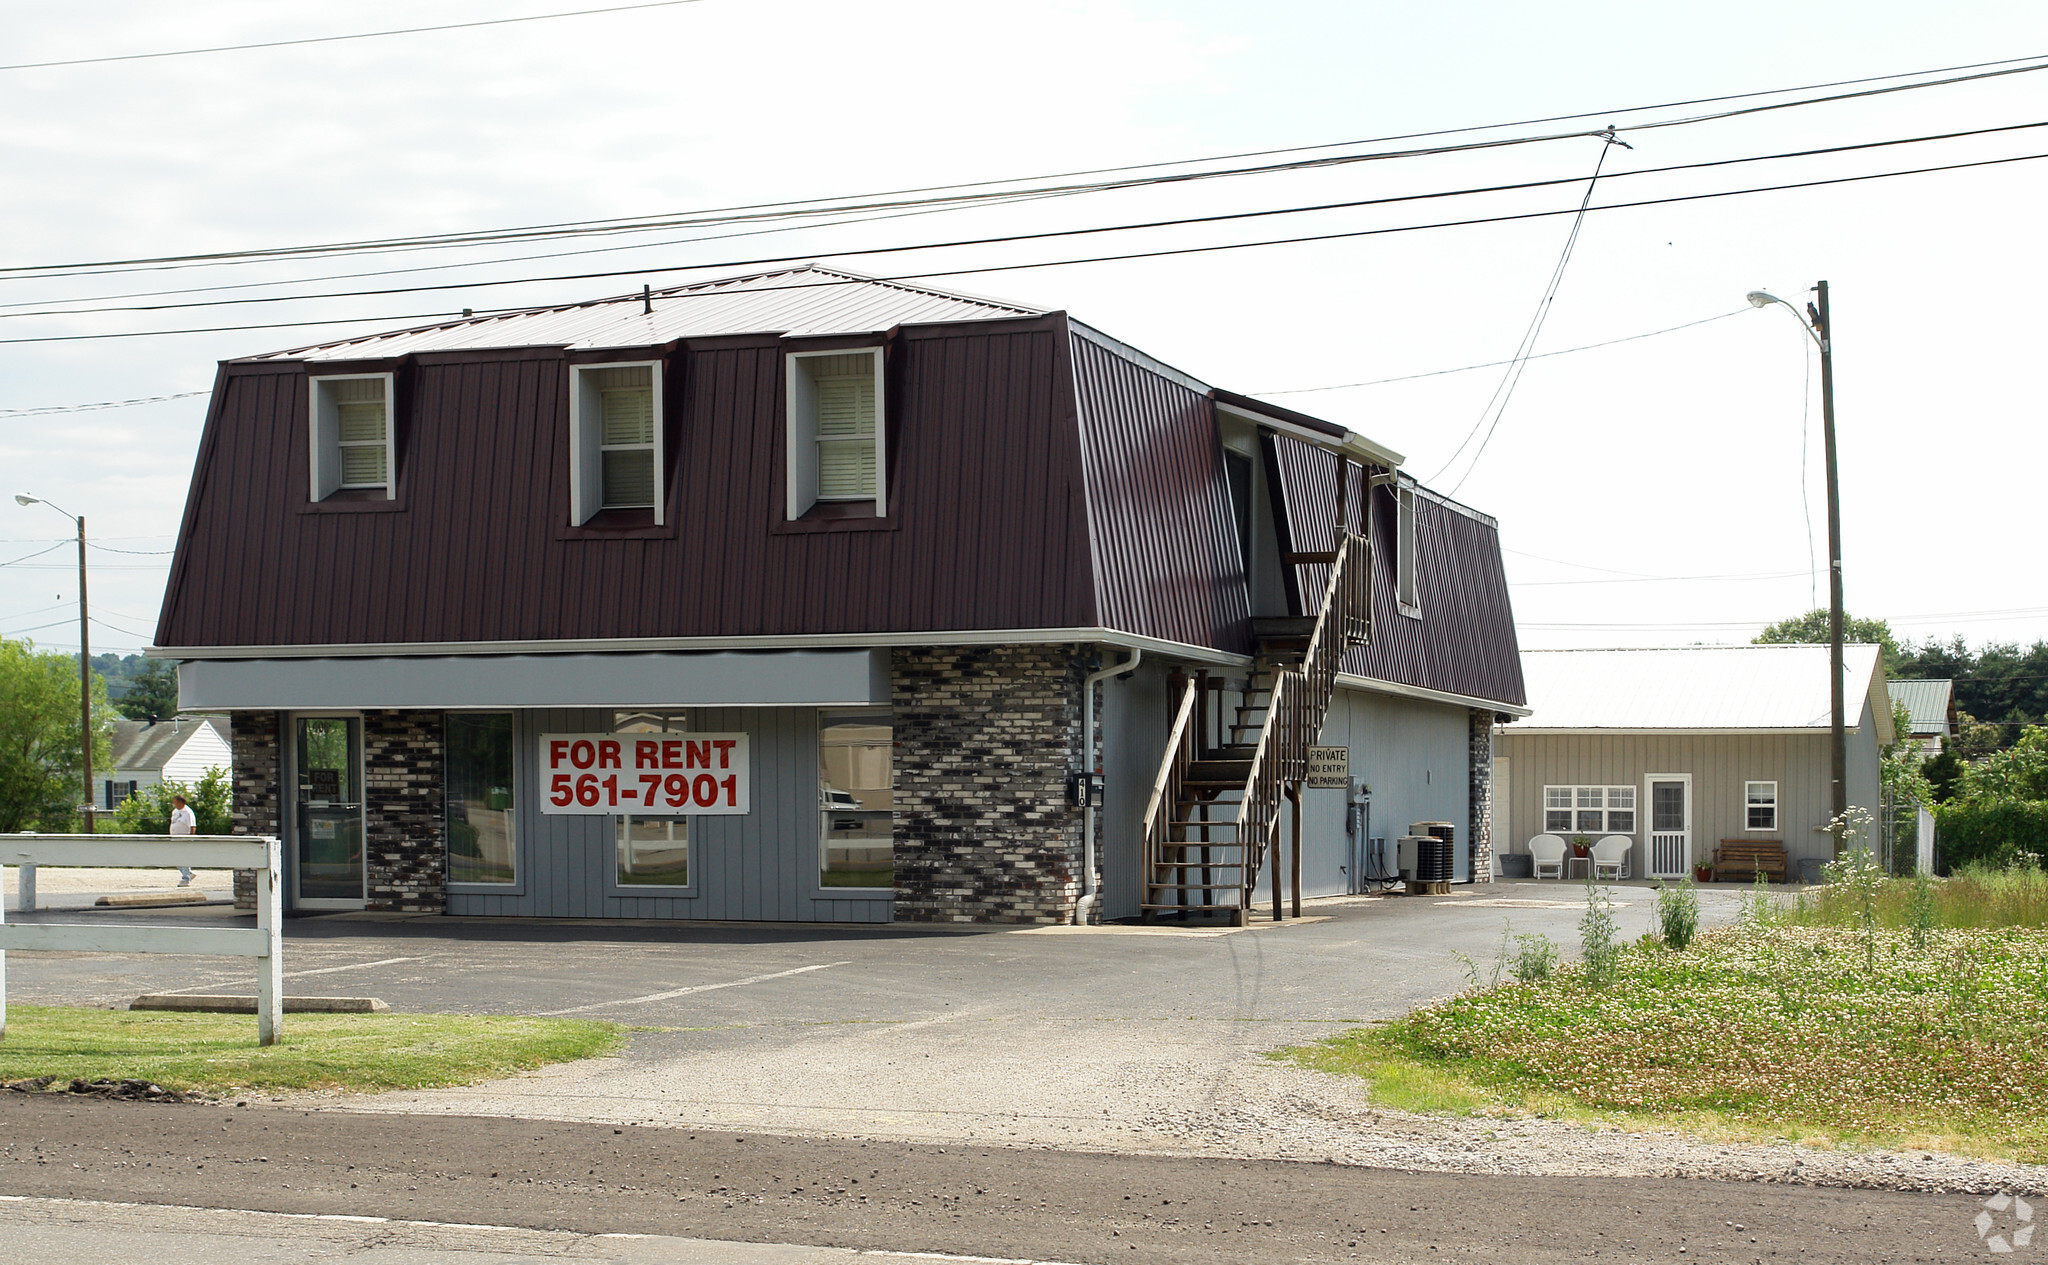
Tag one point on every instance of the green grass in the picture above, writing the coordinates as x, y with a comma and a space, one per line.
2016, 897
346, 1052
1763, 1031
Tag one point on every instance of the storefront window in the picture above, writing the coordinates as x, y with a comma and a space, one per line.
480, 830
856, 800
653, 851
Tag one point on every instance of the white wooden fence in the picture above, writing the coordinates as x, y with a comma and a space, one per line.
224, 852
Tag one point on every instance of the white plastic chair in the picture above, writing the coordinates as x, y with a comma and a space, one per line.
1547, 851
1611, 854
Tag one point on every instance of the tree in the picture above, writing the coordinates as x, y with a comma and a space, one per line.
1944, 773
2018, 773
1812, 629
211, 798
40, 787
153, 695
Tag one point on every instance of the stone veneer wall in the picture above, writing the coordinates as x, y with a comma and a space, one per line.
258, 783
404, 801
985, 738
1481, 824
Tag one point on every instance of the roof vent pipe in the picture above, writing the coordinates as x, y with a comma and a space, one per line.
1084, 908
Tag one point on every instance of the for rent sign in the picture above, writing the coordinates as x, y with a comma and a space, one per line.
658, 774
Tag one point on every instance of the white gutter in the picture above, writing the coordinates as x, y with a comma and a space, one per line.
1351, 681
1351, 443
680, 645
1085, 907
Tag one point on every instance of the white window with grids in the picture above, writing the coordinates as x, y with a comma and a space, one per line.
837, 431
352, 426
1589, 810
1760, 805
615, 435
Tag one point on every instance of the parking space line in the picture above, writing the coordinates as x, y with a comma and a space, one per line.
694, 988
318, 970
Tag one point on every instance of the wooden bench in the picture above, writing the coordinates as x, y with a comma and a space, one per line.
1748, 858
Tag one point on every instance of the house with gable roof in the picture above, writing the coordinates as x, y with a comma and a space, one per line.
1686, 749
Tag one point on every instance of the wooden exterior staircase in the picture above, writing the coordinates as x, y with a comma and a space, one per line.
1212, 825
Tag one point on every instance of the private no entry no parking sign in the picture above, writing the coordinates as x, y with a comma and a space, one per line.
656, 775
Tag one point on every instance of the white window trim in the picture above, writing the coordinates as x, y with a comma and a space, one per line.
1607, 811
1407, 553
801, 439
586, 465
1776, 808
324, 435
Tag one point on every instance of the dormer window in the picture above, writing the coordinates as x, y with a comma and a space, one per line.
615, 439
351, 445
836, 430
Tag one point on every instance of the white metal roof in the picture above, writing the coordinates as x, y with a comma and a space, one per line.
1697, 688
1926, 702
804, 300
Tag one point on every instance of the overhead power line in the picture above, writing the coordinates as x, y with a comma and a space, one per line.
1162, 253
1497, 404
1013, 238
335, 39
1495, 364
819, 205
49, 409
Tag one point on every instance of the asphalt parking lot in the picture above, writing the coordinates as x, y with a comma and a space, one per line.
1147, 1038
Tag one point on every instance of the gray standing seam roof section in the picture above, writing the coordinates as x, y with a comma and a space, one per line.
792, 301
1927, 703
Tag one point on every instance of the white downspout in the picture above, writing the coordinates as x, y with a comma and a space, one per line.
1085, 907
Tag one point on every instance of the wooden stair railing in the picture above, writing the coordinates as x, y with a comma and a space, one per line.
1181, 749
1301, 702
1191, 780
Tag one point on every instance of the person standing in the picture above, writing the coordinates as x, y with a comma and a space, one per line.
183, 822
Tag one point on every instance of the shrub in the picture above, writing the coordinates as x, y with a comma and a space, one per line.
1678, 913
1535, 957
1597, 931
1989, 832
148, 811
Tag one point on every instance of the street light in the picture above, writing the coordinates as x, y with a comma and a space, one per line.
1815, 322
84, 661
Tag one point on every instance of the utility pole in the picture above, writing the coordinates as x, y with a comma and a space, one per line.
84, 686
1815, 321
1838, 724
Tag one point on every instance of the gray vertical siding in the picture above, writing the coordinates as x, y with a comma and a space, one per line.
1719, 765
762, 866
1411, 754
1134, 720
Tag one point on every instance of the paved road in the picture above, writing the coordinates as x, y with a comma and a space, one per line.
580, 1179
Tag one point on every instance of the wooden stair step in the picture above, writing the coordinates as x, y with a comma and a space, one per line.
1195, 887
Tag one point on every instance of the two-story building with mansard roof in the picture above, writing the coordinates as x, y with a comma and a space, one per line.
806, 596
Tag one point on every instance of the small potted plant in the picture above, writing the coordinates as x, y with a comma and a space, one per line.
1580, 844
1702, 872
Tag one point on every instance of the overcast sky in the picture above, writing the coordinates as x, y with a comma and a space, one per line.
1648, 492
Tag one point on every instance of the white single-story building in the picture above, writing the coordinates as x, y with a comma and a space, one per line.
1684, 749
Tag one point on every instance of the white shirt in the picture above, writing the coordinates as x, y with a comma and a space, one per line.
184, 821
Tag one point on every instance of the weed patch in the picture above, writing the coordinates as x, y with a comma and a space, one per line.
1871, 1035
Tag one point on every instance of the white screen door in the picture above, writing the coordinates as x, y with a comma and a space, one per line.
1670, 796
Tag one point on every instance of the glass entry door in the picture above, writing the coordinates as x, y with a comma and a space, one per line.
328, 760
